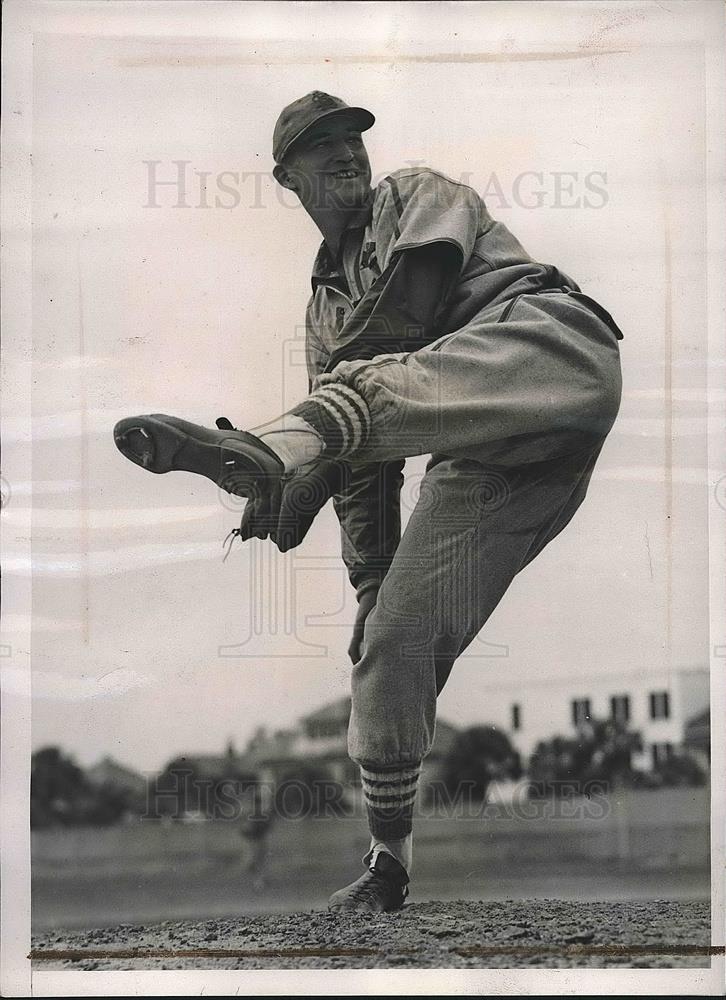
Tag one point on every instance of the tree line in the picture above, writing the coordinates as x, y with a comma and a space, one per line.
61, 794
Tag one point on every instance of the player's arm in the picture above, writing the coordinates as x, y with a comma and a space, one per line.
369, 512
424, 228
401, 310
399, 313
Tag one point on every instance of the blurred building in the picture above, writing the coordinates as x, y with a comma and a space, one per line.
197, 786
319, 741
112, 774
664, 707
230, 765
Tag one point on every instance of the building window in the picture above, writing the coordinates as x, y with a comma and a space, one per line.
580, 711
516, 717
620, 709
660, 705
661, 753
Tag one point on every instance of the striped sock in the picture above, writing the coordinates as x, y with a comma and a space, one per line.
389, 796
340, 415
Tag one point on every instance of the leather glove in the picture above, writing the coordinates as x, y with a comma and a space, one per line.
284, 513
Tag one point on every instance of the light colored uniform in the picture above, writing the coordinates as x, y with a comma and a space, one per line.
513, 399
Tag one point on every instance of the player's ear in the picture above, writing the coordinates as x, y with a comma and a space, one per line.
284, 177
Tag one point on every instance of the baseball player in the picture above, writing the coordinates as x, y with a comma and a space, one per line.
255, 827
430, 330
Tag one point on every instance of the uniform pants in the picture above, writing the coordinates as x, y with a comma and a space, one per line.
514, 409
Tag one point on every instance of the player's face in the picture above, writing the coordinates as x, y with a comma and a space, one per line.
331, 166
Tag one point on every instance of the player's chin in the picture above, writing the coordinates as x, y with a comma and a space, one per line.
349, 192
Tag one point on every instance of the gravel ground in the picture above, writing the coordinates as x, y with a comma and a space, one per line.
461, 934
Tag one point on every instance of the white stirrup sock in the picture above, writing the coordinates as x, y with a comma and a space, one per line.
402, 851
292, 439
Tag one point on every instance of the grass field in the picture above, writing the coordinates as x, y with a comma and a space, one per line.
197, 872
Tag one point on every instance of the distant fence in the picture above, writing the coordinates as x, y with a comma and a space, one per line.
666, 827
659, 828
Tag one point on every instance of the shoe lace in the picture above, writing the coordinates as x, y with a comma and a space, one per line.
226, 425
367, 890
229, 541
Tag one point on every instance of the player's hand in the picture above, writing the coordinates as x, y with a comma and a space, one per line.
304, 494
365, 606
284, 513
260, 515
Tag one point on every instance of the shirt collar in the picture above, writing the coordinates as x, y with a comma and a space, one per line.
325, 269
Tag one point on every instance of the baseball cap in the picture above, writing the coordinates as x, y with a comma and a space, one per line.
300, 116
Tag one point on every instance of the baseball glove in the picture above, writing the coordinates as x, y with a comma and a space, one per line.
285, 512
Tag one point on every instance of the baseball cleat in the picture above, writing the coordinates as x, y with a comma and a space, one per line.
236, 461
382, 889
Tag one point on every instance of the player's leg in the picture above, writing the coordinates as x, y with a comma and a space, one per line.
543, 381
581, 483
472, 530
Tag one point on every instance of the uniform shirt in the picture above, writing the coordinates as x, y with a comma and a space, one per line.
408, 209
421, 259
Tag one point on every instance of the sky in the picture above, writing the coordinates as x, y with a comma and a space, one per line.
144, 644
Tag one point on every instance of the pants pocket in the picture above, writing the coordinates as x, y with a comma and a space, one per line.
597, 309
508, 309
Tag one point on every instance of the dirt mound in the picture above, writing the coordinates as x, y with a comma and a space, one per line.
463, 934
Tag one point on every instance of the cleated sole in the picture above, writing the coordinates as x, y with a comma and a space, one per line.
238, 463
